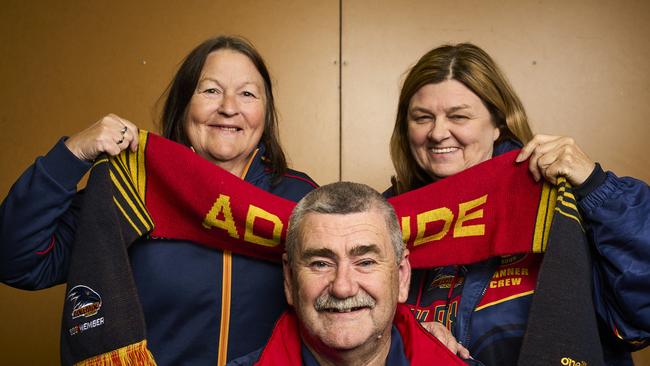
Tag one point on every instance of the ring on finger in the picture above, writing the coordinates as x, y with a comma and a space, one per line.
123, 130
120, 141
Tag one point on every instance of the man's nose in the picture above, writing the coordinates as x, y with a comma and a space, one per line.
344, 284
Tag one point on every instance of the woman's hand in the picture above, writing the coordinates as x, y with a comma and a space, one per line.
553, 156
110, 135
445, 337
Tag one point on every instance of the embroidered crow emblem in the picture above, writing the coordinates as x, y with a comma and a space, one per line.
85, 301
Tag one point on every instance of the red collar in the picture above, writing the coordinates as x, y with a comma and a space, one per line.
420, 347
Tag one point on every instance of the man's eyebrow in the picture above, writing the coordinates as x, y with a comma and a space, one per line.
356, 251
321, 252
360, 250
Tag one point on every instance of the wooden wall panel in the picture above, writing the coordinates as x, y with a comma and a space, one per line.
580, 68
66, 64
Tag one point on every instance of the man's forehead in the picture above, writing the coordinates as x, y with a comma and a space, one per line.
349, 230
344, 224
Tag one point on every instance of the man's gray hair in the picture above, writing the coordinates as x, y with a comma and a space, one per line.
343, 198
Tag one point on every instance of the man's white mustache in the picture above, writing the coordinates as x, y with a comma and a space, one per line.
327, 302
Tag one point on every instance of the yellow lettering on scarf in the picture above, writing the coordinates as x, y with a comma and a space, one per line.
406, 228
256, 212
439, 214
221, 205
463, 216
467, 211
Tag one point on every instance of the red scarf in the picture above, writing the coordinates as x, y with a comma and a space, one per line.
420, 347
453, 221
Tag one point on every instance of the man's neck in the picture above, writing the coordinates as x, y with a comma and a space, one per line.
373, 354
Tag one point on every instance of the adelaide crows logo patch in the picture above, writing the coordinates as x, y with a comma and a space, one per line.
445, 281
85, 301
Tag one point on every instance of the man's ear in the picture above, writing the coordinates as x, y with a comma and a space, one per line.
404, 272
288, 279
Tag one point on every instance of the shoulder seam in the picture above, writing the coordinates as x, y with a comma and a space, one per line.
302, 179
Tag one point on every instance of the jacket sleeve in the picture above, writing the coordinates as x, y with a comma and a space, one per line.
617, 214
38, 221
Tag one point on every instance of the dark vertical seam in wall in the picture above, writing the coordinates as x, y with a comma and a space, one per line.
340, 89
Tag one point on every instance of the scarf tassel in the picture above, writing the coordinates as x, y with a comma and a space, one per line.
136, 354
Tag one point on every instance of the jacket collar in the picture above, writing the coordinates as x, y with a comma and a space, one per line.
256, 166
420, 347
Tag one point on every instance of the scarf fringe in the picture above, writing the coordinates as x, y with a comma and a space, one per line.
136, 354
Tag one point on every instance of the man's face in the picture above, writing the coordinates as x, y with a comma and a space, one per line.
345, 281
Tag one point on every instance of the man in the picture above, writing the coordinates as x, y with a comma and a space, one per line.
345, 270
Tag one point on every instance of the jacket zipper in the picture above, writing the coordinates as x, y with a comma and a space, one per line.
465, 340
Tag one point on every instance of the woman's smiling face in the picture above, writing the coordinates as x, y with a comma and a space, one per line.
449, 129
226, 115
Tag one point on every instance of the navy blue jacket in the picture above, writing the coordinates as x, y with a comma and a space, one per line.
486, 304
180, 284
395, 357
